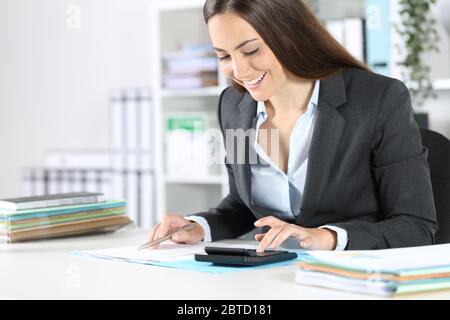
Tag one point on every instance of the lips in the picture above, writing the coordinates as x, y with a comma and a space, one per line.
255, 82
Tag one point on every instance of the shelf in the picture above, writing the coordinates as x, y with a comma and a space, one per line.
200, 92
212, 179
442, 84
190, 192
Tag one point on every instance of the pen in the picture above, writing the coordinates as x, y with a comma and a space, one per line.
152, 243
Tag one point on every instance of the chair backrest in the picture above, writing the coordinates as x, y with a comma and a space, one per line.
439, 160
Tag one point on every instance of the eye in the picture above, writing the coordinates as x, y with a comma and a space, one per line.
223, 58
251, 52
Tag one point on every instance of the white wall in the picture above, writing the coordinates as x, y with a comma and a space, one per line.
55, 81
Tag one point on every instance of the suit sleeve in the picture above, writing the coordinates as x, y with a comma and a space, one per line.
401, 173
231, 218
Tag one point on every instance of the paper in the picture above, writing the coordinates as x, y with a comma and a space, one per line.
172, 255
381, 272
389, 260
167, 251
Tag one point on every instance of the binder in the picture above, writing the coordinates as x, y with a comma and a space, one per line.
123, 171
378, 36
350, 33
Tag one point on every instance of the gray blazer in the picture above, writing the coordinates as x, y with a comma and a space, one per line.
367, 169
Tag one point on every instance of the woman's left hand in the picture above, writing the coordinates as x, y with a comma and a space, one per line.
309, 238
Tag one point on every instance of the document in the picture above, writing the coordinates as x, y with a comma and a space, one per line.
167, 251
180, 256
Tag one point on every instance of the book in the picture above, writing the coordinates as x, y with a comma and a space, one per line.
52, 200
33, 224
379, 272
72, 229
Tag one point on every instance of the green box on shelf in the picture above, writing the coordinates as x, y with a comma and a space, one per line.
188, 122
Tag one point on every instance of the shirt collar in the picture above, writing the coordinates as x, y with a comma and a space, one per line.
261, 108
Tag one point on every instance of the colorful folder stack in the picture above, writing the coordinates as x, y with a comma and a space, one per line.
62, 221
381, 272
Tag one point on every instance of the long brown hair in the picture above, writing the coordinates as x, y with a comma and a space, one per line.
297, 38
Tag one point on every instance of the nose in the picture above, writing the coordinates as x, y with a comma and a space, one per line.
240, 69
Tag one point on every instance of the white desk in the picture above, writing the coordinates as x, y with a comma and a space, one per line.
46, 270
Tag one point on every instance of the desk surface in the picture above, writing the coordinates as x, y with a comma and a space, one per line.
46, 270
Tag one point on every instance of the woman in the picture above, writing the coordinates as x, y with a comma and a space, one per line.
343, 166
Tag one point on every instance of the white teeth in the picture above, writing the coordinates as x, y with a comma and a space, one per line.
256, 81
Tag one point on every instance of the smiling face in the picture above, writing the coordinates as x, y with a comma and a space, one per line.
244, 57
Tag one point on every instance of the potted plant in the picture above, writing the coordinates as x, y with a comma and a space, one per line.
417, 29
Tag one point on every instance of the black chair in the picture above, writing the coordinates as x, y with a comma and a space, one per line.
439, 160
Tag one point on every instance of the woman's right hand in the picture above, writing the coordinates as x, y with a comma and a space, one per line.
170, 223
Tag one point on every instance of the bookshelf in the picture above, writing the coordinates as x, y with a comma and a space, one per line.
192, 193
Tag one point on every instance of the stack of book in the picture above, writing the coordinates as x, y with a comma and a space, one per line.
59, 215
191, 67
380, 272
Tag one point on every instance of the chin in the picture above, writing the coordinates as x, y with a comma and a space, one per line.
259, 96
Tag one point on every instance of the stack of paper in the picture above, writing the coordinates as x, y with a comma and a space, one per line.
62, 220
190, 67
381, 272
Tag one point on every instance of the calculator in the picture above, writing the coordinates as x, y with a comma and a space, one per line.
243, 257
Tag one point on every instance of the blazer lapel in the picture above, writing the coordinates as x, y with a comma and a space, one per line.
246, 120
327, 133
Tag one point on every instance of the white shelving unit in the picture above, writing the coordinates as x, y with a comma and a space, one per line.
175, 21
182, 194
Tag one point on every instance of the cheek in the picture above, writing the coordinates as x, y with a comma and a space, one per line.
267, 61
277, 72
226, 69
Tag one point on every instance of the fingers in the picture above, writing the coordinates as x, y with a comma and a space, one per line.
289, 231
170, 223
276, 236
187, 237
259, 236
270, 221
152, 233
268, 238
164, 226
306, 243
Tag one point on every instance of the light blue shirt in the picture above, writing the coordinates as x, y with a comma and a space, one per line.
277, 192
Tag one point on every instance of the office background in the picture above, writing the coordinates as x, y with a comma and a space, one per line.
62, 61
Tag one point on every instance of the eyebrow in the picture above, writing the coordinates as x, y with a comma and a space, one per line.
239, 46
